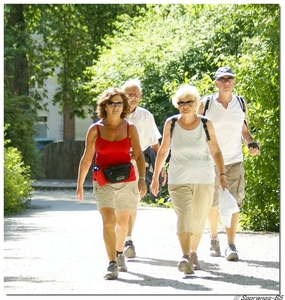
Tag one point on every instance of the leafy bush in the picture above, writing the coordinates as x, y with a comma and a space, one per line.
17, 188
21, 114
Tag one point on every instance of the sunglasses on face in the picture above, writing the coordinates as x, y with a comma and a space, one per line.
223, 79
188, 103
115, 104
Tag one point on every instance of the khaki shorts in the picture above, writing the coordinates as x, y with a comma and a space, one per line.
120, 196
191, 203
235, 180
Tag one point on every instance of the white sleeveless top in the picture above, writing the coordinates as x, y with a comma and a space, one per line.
190, 161
228, 124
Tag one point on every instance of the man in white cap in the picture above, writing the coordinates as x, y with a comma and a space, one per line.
228, 114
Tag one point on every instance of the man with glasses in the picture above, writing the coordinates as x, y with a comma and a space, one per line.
230, 123
149, 139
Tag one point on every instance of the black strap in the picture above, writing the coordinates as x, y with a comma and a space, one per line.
174, 119
206, 105
242, 105
204, 121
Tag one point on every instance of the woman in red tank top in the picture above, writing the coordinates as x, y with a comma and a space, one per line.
112, 139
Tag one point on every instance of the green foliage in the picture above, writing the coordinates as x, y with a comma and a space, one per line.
17, 188
174, 44
67, 41
166, 45
20, 113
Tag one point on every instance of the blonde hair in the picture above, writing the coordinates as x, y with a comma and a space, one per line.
185, 90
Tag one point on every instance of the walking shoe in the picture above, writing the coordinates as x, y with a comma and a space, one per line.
186, 265
215, 247
121, 263
112, 271
231, 253
129, 249
195, 261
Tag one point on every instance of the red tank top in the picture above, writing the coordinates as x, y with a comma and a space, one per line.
109, 153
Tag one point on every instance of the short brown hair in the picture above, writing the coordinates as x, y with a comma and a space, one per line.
106, 96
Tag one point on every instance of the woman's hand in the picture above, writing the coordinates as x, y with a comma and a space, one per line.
142, 187
154, 187
79, 193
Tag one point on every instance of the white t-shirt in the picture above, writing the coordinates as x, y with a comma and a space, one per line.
228, 124
190, 161
146, 126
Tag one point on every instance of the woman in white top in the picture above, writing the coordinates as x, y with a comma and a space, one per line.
191, 172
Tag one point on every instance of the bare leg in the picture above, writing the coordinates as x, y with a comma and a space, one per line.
185, 242
213, 219
231, 232
195, 241
132, 220
122, 228
109, 234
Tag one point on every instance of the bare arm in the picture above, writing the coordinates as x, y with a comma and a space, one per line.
162, 154
163, 171
217, 155
139, 158
247, 137
86, 160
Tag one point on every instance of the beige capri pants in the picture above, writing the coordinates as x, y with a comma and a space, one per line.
191, 203
120, 196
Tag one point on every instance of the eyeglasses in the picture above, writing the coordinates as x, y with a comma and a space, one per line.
228, 79
115, 104
133, 95
188, 103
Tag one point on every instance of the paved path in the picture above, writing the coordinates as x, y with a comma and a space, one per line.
56, 248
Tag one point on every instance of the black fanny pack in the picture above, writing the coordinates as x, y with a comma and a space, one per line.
118, 173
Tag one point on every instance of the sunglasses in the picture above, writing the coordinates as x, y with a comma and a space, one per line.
115, 104
188, 103
223, 79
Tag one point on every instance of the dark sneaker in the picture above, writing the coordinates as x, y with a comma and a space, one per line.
195, 261
112, 271
215, 247
186, 265
231, 253
129, 249
121, 263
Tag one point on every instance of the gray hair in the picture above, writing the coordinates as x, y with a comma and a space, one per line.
132, 83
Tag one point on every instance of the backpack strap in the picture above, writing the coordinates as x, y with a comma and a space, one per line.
207, 105
204, 121
174, 119
242, 105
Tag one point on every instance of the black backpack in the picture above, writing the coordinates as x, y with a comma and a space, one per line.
203, 119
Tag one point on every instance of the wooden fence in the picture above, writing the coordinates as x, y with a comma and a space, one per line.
60, 160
